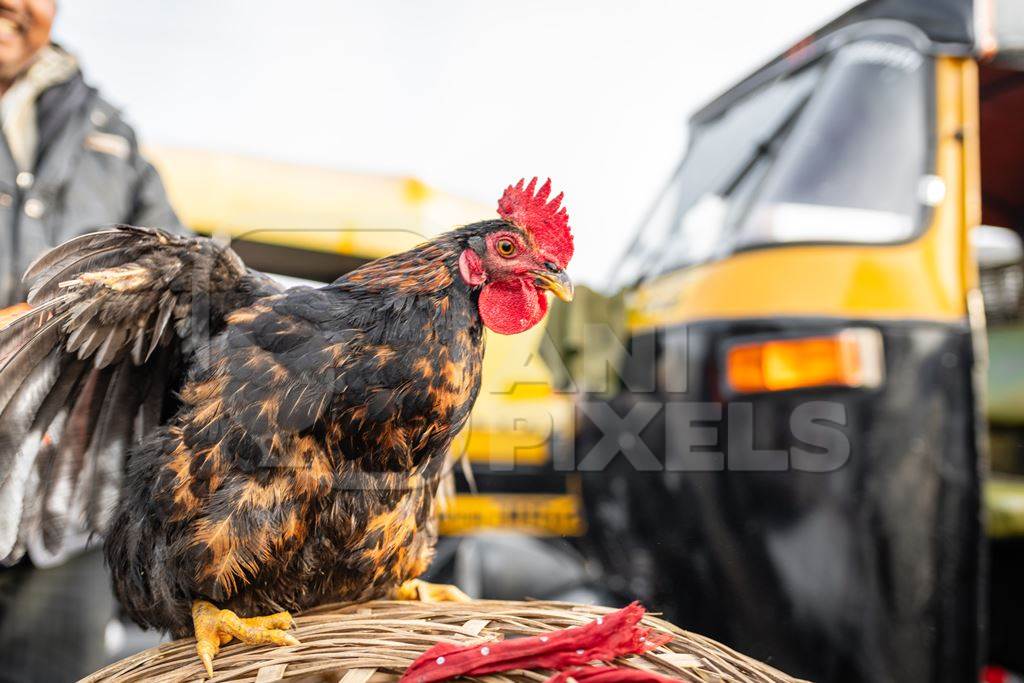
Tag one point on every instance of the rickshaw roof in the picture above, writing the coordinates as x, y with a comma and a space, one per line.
304, 207
943, 21
988, 29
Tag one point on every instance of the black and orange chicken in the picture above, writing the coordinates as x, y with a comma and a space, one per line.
246, 450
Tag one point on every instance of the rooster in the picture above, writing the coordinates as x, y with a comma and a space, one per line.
245, 450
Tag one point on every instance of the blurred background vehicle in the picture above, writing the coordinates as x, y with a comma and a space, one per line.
842, 243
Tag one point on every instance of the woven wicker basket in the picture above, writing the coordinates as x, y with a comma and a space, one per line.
376, 641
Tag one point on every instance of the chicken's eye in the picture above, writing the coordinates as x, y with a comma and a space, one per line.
506, 247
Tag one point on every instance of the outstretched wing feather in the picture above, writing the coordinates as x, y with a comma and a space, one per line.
52, 280
78, 371
73, 247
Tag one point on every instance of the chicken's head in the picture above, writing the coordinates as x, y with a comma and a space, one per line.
515, 260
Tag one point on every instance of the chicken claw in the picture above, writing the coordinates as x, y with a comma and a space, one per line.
415, 589
215, 627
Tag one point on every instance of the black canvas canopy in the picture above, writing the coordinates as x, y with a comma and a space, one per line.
943, 21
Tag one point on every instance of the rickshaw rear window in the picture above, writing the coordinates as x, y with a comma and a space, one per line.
837, 152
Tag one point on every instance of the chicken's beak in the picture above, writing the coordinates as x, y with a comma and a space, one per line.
555, 280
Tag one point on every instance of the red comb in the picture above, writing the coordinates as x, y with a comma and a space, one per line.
545, 220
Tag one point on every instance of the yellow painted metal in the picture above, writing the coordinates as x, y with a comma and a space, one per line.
501, 448
924, 279
305, 207
1004, 506
517, 412
535, 514
970, 126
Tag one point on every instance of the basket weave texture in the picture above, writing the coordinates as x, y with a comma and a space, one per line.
374, 642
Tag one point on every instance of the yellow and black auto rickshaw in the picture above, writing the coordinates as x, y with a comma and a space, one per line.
802, 430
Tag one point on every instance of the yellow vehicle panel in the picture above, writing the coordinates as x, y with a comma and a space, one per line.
535, 514
306, 207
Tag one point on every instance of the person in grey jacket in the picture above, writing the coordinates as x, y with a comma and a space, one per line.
69, 163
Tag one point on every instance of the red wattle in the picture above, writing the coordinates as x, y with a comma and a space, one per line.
512, 306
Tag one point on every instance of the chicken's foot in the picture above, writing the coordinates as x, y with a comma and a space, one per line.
415, 589
215, 627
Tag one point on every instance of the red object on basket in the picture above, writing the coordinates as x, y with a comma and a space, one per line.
613, 635
997, 674
609, 674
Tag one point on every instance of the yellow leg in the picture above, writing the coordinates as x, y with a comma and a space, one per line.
415, 589
215, 627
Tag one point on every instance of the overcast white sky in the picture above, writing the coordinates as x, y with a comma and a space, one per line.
468, 95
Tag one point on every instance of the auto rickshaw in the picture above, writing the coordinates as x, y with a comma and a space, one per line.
802, 432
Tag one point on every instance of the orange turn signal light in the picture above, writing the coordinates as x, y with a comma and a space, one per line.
850, 358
